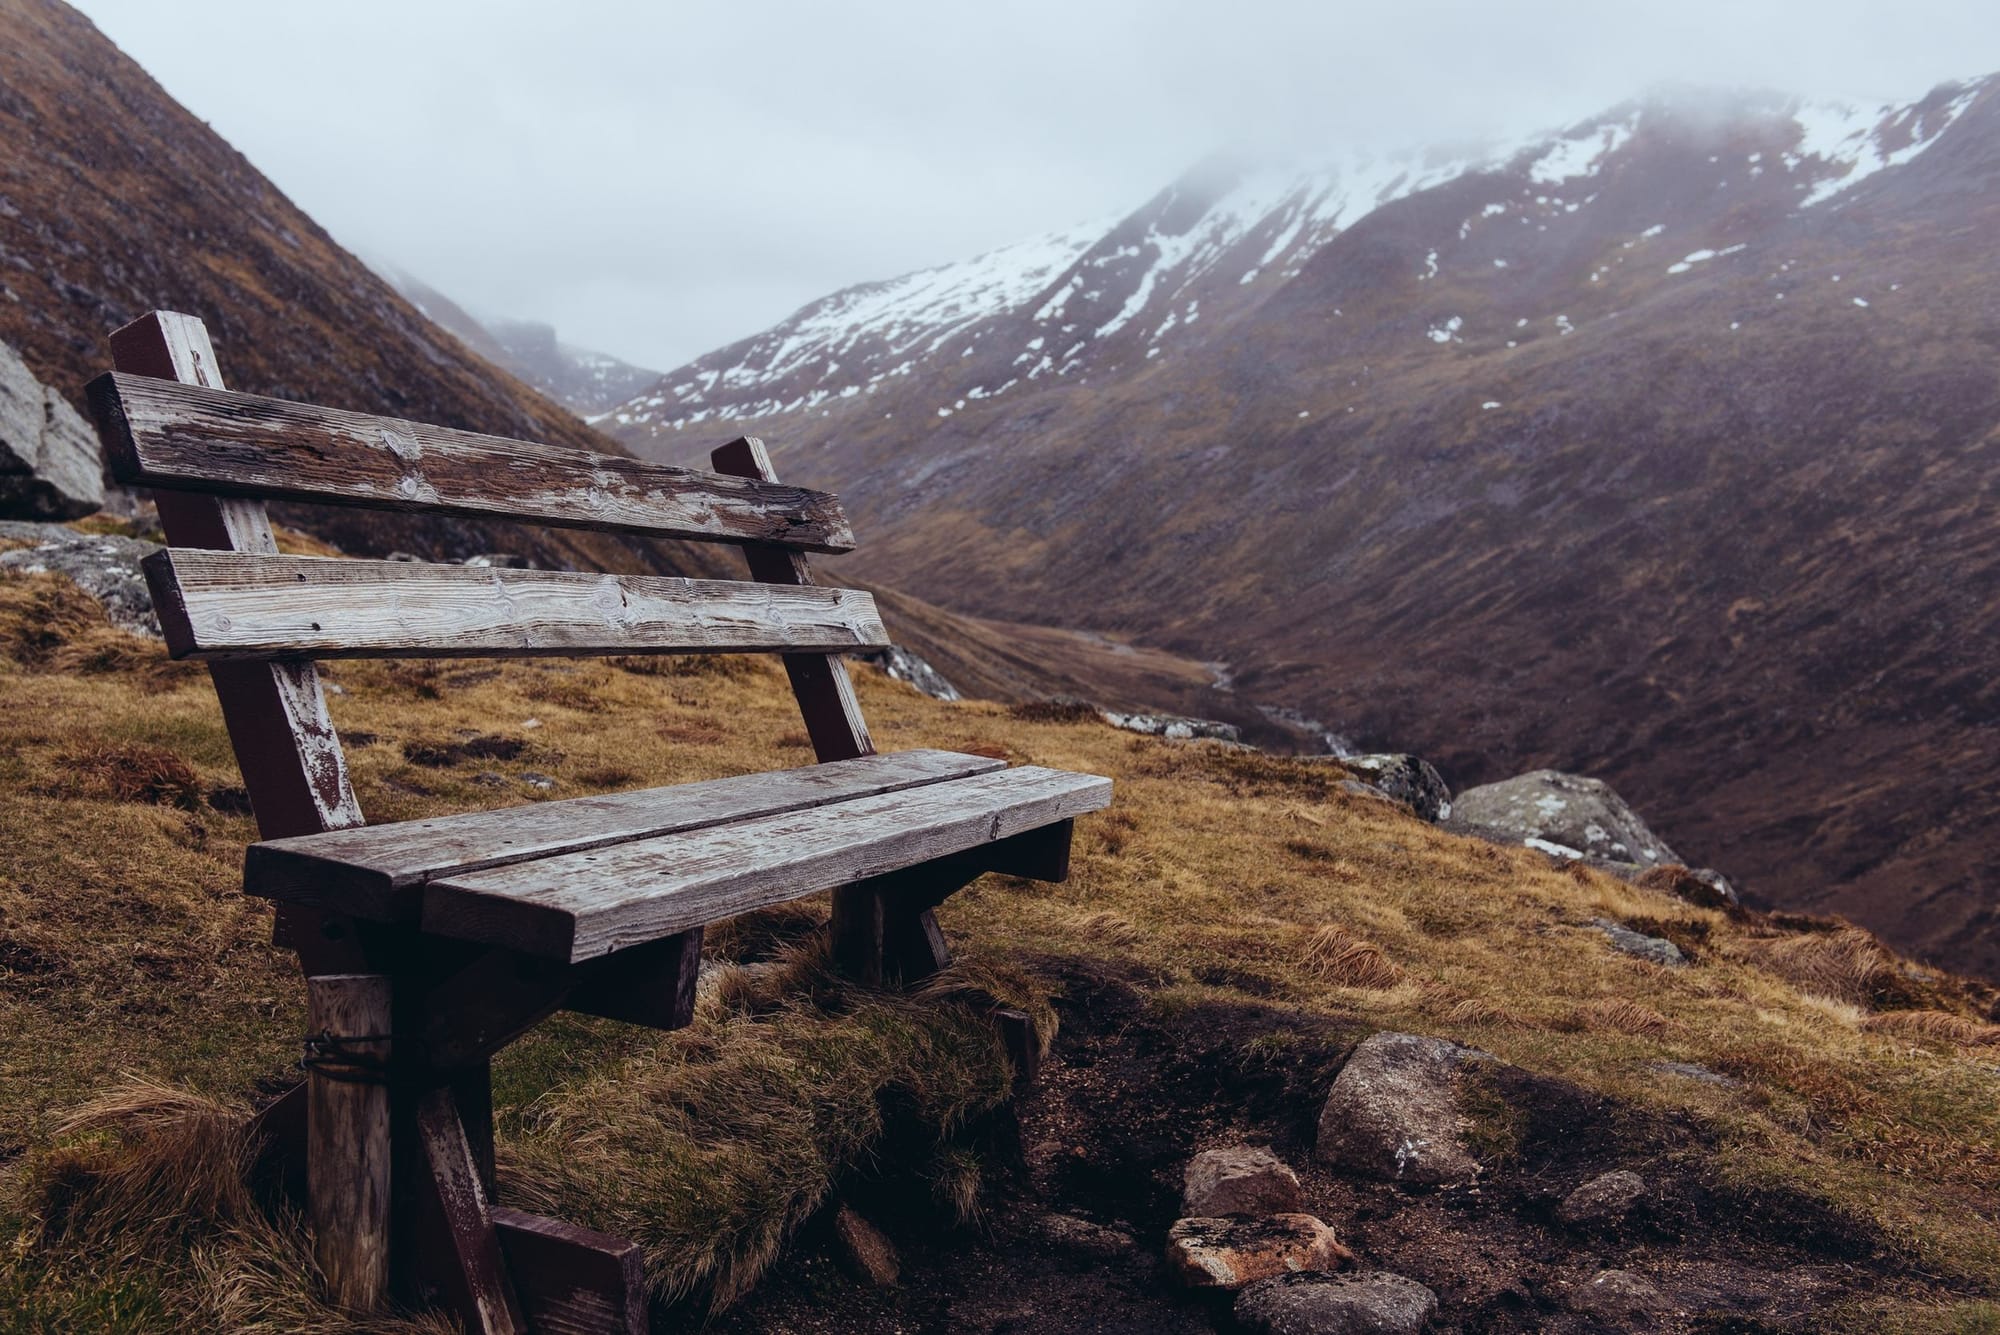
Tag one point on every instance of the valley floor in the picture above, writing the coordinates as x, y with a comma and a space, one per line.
1817, 1120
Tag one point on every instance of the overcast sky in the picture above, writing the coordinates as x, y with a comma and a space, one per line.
658, 179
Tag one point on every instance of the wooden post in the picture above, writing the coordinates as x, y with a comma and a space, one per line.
347, 1135
832, 718
291, 760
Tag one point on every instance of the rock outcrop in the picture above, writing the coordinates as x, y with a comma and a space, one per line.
1411, 780
103, 566
50, 467
1174, 726
1395, 1111
1579, 816
912, 668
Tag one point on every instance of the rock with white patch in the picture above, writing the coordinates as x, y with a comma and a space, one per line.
1396, 1111
1571, 812
1411, 780
1175, 727
911, 668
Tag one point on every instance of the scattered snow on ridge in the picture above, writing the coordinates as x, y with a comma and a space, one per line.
1849, 139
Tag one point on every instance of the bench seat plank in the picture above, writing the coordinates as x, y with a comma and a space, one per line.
376, 871
583, 905
161, 434
241, 605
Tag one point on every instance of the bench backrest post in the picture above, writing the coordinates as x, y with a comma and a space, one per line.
832, 717
276, 713
286, 748
826, 696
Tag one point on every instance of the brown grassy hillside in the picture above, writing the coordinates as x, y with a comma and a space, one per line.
114, 201
1234, 923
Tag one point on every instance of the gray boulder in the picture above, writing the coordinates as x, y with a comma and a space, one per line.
1654, 949
1564, 813
1395, 1111
50, 467
1605, 1199
105, 567
1409, 779
1618, 1296
1367, 1302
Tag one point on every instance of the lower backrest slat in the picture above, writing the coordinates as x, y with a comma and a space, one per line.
235, 605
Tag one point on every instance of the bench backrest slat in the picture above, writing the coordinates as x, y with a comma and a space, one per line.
166, 435
224, 605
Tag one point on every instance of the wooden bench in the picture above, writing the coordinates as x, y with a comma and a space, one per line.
430, 944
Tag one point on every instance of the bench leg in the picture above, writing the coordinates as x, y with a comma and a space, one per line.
347, 1135
454, 1250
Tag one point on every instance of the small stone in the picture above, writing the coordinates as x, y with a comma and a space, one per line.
500, 561
541, 781
1690, 1071
864, 1250
1230, 1253
1240, 1180
1605, 1199
1394, 1111
1075, 1233
1368, 1302
1654, 949
528, 724
1617, 1295
1699, 886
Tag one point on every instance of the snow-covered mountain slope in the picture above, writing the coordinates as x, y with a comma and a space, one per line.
1216, 242
1664, 448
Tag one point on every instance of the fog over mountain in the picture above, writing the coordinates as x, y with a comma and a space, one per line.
659, 181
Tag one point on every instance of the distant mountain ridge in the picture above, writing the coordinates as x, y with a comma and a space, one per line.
583, 381
1651, 449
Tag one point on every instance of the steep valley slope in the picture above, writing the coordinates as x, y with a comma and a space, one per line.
1663, 449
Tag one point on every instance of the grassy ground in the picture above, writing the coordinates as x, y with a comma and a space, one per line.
1862, 1082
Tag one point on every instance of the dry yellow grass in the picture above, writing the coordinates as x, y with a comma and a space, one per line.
126, 947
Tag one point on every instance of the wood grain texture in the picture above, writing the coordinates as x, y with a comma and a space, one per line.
347, 1141
236, 606
583, 905
571, 1280
186, 437
286, 748
377, 871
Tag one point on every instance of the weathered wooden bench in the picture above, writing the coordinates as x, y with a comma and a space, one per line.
430, 944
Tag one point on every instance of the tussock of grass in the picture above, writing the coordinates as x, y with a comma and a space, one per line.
1337, 956
1847, 964
712, 1146
144, 1217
